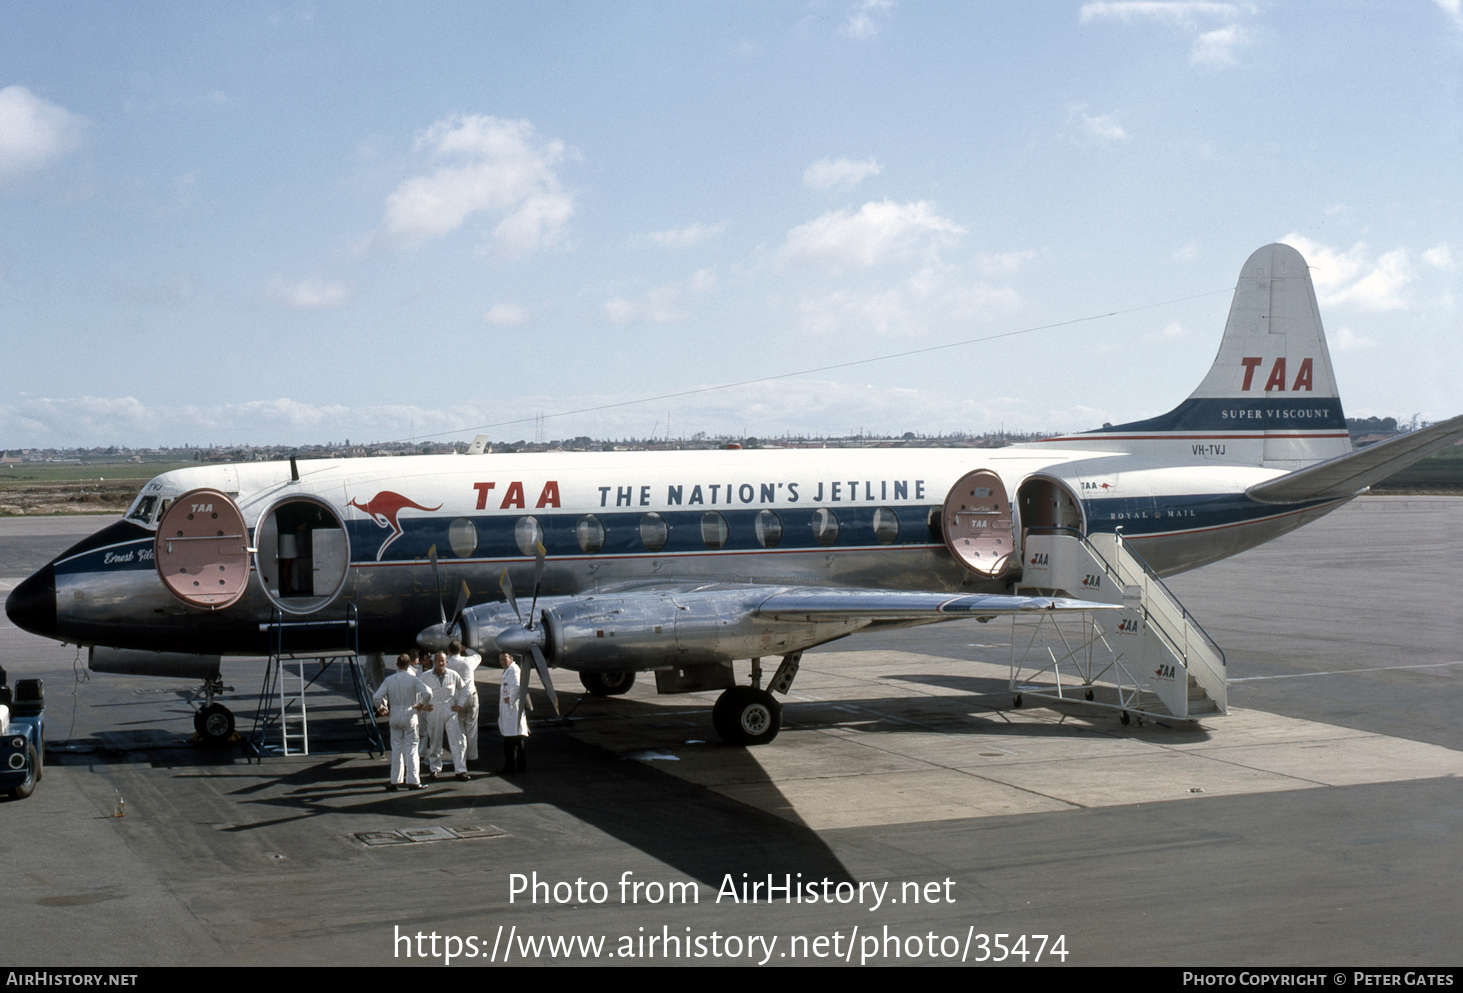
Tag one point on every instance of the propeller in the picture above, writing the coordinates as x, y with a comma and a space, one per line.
525, 639
439, 635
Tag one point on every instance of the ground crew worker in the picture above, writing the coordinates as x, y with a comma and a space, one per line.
449, 699
512, 716
464, 662
401, 696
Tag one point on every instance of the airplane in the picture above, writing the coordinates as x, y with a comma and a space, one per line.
682, 562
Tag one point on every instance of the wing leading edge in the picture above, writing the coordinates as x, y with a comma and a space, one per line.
830, 603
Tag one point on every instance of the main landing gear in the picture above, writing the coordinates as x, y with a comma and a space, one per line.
745, 715
750, 715
607, 683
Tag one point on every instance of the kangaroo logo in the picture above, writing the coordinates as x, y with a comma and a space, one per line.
383, 508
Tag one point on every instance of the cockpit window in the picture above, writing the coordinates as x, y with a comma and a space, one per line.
142, 510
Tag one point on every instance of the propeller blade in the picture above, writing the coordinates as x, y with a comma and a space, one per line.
526, 671
507, 586
543, 673
462, 596
437, 575
538, 581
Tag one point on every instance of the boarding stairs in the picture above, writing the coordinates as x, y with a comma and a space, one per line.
1153, 652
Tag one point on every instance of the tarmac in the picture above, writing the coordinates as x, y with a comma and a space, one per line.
906, 810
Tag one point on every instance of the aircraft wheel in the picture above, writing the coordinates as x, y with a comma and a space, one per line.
28, 787
1124, 718
214, 724
607, 683
1016, 701
1088, 694
747, 716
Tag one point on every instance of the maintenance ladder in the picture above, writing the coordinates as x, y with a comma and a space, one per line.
283, 694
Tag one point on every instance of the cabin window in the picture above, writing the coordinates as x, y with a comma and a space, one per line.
769, 529
886, 525
654, 532
528, 534
713, 529
590, 534
462, 535
825, 526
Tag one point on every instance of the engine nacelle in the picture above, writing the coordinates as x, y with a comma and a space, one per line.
608, 633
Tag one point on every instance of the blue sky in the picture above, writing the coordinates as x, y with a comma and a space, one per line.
254, 223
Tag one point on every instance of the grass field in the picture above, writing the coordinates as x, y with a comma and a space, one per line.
72, 488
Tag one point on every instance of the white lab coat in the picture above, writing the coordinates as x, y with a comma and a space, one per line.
512, 715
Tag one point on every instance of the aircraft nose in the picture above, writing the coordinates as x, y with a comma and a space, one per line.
31, 606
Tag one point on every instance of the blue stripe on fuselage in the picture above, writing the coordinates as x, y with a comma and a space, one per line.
1139, 516
1259, 414
496, 533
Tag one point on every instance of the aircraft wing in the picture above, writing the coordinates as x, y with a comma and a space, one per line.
1348, 474
831, 603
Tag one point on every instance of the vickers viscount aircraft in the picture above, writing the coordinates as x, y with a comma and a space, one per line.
682, 562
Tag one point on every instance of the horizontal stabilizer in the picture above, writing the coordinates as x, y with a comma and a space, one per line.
1355, 471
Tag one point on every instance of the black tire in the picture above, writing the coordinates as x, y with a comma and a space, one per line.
215, 725
1088, 694
1124, 718
28, 787
1016, 701
607, 683
747, 716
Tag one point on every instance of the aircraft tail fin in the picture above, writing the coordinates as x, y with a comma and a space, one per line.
1270, 397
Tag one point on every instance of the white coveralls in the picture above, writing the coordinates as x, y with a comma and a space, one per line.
402, 693
466, 666
446, 690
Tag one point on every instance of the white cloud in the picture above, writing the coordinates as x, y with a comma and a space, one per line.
1183, 13
878, 233
845, 174
691, 234
1353, 276
34, 132
1454, 9
1216, 48
1212, 46
308, 294
1347, 340
703, 280
865, 19
1103, 126
1002, 263
1187, 253
1441, 256
931, 296
484, 165
665, 304
506, 315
